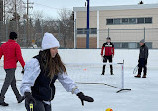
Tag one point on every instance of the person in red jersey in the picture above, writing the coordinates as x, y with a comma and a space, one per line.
12, 54
107, 53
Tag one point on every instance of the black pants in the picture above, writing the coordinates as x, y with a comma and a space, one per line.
105, 59
142, 65
9, 80
39, 106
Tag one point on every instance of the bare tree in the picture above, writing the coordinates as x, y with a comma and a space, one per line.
37, 15
10, 8
66, 25
64, 14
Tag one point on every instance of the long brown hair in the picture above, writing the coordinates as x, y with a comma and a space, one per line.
54, 65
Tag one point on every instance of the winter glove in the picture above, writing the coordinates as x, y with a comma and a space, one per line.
83, 98
29, 98
22, 72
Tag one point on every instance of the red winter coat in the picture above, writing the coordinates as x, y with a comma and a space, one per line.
12, 54
107, 49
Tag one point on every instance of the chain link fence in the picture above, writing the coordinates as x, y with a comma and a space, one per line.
31, 33
122, 38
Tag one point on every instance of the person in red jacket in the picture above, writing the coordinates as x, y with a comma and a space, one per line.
107, 53
12, 54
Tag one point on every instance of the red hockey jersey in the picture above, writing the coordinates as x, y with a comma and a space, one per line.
107, 49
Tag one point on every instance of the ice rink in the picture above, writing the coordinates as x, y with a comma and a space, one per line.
142, 97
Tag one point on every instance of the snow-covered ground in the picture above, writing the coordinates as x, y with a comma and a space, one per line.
142, 97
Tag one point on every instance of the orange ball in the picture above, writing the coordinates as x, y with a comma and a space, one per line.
109, 109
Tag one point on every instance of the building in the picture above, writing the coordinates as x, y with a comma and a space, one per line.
126, 25
1, 10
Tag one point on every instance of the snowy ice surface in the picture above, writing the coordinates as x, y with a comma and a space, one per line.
142, 97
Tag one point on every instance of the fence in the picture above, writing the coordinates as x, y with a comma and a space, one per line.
122, 38
31, 32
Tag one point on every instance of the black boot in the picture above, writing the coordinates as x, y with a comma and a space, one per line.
2, 103
144, 76
103, 70
111, 72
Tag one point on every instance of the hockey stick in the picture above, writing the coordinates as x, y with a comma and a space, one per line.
31, 106
135, 70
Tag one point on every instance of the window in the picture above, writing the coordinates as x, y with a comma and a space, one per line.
140, 20
80, 31
125, 45
132, 45
117, 45
93, 31
117, 21
109, 21
148, 20
84, 31
125, 20
132, 21
149, 45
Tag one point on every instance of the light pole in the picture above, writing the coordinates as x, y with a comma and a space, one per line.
87, 37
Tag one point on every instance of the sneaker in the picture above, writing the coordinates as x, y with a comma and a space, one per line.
22, 98
4, 104
138, 76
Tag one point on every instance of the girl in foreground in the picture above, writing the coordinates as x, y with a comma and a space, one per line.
41, 73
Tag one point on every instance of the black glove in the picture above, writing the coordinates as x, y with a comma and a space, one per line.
83, 98
29, 98
22, 72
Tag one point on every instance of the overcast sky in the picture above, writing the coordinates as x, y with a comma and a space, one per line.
50, 8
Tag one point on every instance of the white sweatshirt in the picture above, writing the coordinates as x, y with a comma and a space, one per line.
32, 71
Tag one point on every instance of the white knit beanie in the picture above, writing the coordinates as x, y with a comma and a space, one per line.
49, 41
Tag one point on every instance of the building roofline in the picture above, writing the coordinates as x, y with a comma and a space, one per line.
117, 7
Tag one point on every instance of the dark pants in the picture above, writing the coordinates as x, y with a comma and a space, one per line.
39, 106
105, 59
9, 80
142, 65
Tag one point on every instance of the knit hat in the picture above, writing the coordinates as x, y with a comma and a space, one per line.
13, 35
142, 41
49, 41
108, 38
